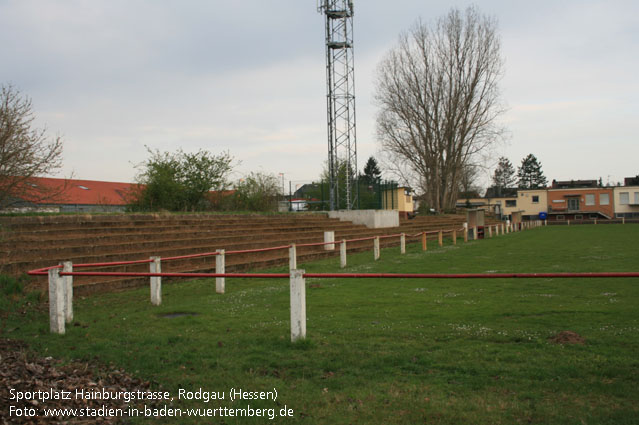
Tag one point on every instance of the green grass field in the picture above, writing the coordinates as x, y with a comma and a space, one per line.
391, 351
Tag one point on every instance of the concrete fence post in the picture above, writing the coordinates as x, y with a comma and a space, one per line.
424, 242
292, 257
156, 281
623, 220
503, 228
475, 233
496, 229
220, 268
67, 267
56, 302
440, 238
454, 237
595, 221
465, 234
329, 236
490, 231
568, 222
507, 226
298, 305
402, 243
342, 254
376, 252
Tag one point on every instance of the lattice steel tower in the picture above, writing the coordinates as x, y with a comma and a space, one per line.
340, 100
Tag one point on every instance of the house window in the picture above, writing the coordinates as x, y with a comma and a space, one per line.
624, 198
511, 202
535, 199
590, 199
636, 198
604, 199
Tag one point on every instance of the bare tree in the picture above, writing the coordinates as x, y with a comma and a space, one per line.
25, 151
439, 99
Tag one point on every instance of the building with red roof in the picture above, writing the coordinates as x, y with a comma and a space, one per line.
71, 195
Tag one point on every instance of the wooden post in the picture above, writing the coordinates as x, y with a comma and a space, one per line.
376, 248
424, 242
440, 238
402, 243
67, 267
454, 237
220, 268
56, 302
156, 281
298, 305
465, 234
342, 254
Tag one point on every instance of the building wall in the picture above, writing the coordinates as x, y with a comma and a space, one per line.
558, 200
532, 202
632, 207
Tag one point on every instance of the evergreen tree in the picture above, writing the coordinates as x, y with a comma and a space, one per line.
504, 176
372, 172
530, 174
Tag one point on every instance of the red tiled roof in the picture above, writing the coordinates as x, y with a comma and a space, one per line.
84, 192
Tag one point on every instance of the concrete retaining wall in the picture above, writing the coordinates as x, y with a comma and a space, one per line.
373, 219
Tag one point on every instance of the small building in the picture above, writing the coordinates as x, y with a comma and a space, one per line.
584, 203
626, 201
398, 199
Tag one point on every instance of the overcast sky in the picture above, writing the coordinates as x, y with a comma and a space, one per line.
248, 77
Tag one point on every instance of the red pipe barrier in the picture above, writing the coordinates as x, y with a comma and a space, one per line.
469, 275
44, 271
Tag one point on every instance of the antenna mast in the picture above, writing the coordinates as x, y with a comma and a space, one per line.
340, 101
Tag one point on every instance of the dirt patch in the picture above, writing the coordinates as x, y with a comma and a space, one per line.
22, 371
567, 337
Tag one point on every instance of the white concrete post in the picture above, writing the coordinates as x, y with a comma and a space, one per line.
568, 222
342, 254
220, 268
545, 222
402, 243
376, 248
623, 220
475, 233
329, 237
595, 221
292, 257
56, 301
298, 305
496, 229
67, 267
490, 231
507, 226
156, 281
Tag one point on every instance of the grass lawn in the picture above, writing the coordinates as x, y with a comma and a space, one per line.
475, 351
